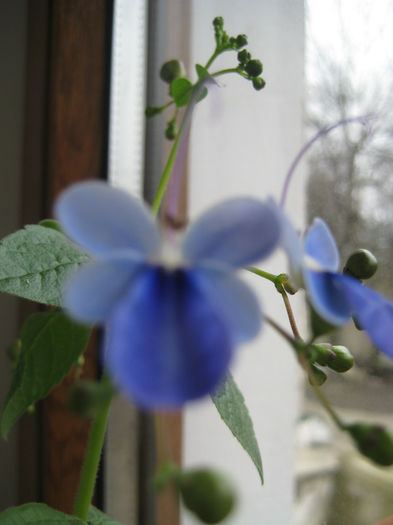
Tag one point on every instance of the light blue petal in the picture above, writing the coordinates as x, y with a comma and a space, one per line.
103, 219
374, 312
94, 290
321, 246
165, 343
292, 245
233, 299
237, 232
327, 297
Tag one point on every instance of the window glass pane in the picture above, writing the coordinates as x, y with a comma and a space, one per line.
348, 71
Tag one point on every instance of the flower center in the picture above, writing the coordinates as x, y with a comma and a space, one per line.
171, 256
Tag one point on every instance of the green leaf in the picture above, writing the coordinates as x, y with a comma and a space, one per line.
201, 72
51, 343
36, 261
230, 404
38, 514
181, 90
51, 223
96, 517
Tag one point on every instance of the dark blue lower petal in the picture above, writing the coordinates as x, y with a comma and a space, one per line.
327, 297
165, 343
374, 312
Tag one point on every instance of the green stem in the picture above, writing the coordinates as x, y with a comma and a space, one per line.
307, 368
165, 106
326, 405
92, 460
230, 70
278, 281
280, 330
168, 104
266, 275
290, 314
171, 159
212, 58
173, 119
297, 342
318, 391
306, 365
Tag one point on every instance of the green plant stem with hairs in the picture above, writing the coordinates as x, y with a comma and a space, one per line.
296, 341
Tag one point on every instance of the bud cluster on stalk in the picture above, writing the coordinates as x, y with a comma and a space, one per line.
181, 89
336, 357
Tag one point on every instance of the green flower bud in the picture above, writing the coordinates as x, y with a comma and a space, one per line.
288, 286
232, 42
218, 22
241, 41
171, 70
317, 377
243, 56
322, 353
373, 441
171, 131
343, 361
357, 324
167, 473
257, 82
152, 111
30, 409
80, 362
207, 494
254, 68
86, 398
362, 264
14, 350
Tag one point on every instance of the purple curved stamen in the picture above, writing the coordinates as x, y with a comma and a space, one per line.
177, 175
364, 120
179, 166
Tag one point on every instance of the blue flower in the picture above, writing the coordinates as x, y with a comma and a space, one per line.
173, 312
334, 296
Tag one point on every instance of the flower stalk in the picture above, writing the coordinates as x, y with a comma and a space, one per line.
92, 460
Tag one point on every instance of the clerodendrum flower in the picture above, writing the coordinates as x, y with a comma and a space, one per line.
335, 296
172, 318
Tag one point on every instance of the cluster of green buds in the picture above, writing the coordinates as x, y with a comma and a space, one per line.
181, 88
334, 357
204, 492
253, 67
225, 42
249, 67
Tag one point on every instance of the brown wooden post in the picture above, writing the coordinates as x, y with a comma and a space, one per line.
79, 47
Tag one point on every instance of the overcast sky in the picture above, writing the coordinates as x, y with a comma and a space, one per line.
362, 29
